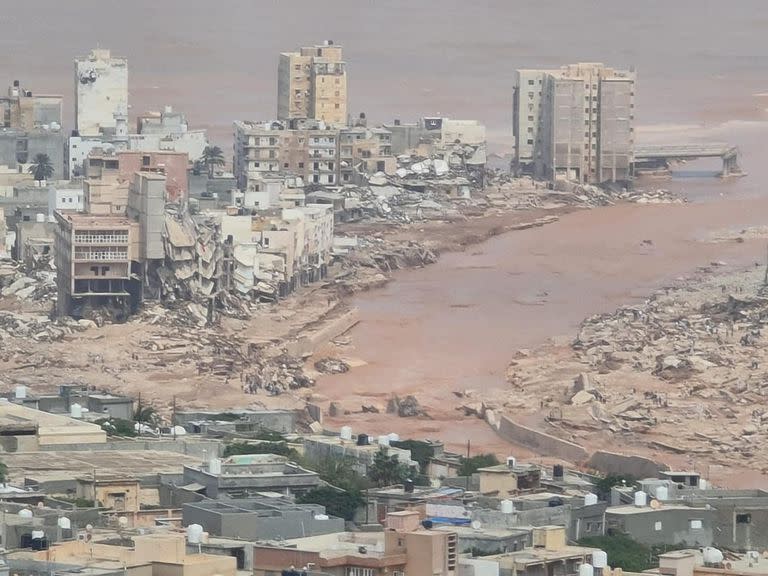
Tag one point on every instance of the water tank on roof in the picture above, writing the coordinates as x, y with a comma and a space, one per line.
214, 466
21, 392
712, 556
507, 507
383, 440
590, 499
511, 461
662, 493
194, 533
37, 534
558, 472
599, 559
363, 440
586, 570
64, 523
641, 499
76, 411
346, 433
25, 513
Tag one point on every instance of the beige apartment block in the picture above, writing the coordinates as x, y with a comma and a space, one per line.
312, 83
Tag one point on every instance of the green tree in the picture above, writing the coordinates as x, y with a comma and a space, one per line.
337, 502
604, 485
468, 466
41, 167
117, 426
421, 451
3, 473
145, 414
279, 448
339, 472
213, 157
387, 470
628, 554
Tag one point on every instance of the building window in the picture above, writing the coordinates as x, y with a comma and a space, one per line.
285, 165
657, 526
586, 134
337, 106
355, 571
530, 95
315, 178
330, 178
695, 524
297, 67
530, 141
345, 176
530, 118
530, 82
145, 160
316, 166
586, 110
743, 518
301, 164
530, 129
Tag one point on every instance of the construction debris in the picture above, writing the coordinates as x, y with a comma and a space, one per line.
407, 407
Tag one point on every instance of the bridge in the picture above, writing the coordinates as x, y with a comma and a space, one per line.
661, 156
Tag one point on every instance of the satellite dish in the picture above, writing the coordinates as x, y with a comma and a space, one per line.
476, 525
655, 504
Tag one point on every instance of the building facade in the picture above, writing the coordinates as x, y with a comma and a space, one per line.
101, 91
312, 83
575, 123
305, 149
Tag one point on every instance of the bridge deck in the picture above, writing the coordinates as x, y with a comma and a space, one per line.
661, 151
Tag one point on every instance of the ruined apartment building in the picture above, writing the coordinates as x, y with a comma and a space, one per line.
312, 83
101, 92
93, 263
30, 124
575, 123
302, 148
364, 150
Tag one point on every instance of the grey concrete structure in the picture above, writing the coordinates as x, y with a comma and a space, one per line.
668, 524
485, 540
260, 518
575, 123
241, 476
18, 148
283, 421
114, 406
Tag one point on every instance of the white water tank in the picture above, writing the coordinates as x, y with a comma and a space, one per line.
37, 534
194, 533
662, 493
590, 499
322, 517
383, 440
214, 466
712, 556
599, 559
64, 523
178, 430
507, 506
76, 411
586, 570
703, 484
25, 513
346, 433
393, 437
21, 392
511, 461
641, 499
40, 217
123, 522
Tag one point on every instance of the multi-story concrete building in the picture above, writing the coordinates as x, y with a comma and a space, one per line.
23, 110
575, 123
364, 150
400, 550
312, 83
305, 149
168, 131
101, 92
93, 262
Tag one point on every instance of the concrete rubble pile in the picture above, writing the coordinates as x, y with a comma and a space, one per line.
36, 285
20, 331
703, 347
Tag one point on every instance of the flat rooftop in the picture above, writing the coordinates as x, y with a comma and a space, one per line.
59, 466
628, 509
538, 555
17, 416
94, 221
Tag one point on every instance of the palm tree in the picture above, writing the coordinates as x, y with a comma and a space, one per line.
212, 157
41, 167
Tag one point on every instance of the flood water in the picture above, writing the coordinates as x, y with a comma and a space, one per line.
702, 75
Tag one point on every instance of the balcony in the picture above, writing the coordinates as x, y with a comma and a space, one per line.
101, 255
107, 238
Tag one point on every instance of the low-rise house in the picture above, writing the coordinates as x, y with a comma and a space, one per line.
243, 475
260, 518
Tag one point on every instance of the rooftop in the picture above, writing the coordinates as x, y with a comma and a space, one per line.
538, 555
628, 509
17, 416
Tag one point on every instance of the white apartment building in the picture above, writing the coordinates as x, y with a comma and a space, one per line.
101, 91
